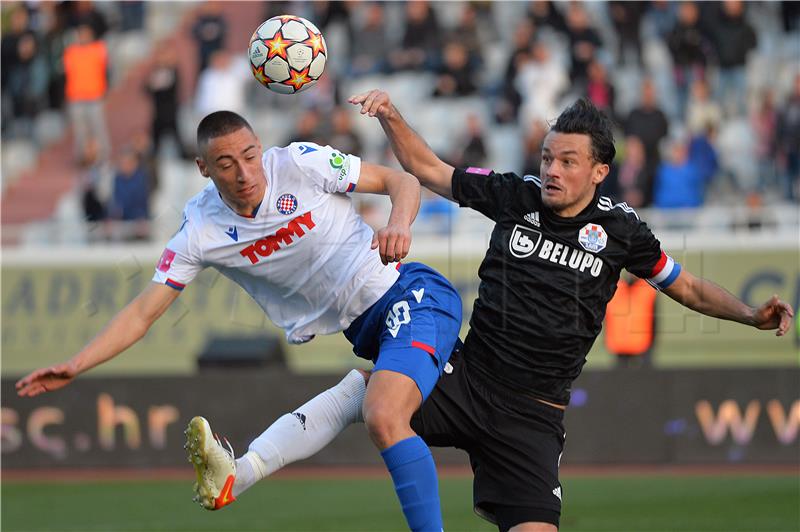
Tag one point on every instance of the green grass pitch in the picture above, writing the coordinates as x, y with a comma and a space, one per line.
615, 503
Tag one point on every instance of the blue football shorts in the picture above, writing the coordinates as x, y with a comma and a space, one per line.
413, 328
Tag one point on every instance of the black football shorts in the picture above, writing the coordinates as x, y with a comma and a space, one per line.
514, 443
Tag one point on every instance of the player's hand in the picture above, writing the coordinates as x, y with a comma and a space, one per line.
374, 103
774, 314
393, 242
46, 380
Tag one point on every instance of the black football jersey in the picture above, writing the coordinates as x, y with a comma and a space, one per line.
545, 280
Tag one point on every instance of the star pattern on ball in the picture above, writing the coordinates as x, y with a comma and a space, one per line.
277, 46
287, 18
298, 79
260, 76
315, 42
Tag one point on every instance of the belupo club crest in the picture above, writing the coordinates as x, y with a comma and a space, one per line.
593, 237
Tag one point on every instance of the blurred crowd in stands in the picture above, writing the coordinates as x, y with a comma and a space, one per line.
684, 83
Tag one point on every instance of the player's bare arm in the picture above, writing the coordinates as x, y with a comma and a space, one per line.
124, 330
710, 299
394, 240
411, 150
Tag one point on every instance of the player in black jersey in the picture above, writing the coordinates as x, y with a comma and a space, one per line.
553, 262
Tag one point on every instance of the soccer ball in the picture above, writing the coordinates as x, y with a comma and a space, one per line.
287, 54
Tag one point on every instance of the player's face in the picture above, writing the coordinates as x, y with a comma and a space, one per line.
569, 174
233, 163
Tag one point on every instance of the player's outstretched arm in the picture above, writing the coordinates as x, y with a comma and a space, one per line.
124, 330
411, 150
394, 240
710, 299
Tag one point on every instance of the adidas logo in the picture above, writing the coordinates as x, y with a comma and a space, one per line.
302, 419
557, 492
533, 218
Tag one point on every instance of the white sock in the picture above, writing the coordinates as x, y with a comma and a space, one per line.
302, 433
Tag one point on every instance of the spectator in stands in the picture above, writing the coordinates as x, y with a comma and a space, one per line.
369, 47
143, 147
474, 145
689, 48
649, 124
632, 179
661, 17
19, 22
342, 136
130, 198
473, 33
419, 49
27, 84
704, 156
132, 15
600, 90
764, 121
679, 184
734, 38
533, 147
53, 44
456, 76
308, 127
163, 86
86, 71
84, 12
326, 13
223, 84
584, 42
627, 19
509, 99
541, 80
209, 32
90, 178
702, 112
544, 14
788, 136
790, 16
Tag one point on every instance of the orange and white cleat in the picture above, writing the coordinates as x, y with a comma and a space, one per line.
213, 463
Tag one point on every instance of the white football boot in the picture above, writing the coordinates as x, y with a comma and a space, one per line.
213, 463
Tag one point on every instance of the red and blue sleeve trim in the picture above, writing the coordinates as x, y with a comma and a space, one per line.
351, 187
664, 272
175, 284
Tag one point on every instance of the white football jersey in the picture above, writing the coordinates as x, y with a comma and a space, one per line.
304, 256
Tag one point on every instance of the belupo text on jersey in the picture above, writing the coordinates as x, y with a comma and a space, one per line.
525, 241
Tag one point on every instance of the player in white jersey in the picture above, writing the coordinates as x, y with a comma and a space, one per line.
280, 224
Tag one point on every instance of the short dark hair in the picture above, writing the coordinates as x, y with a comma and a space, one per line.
217, 124
583, 118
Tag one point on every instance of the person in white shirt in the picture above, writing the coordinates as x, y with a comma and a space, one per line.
280, 224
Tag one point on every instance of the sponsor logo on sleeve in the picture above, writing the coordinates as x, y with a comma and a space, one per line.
479, 171
337, 160
166, 259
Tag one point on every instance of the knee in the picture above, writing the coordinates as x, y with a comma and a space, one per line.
385, 423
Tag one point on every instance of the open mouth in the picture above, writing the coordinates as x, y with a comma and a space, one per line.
550, 187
